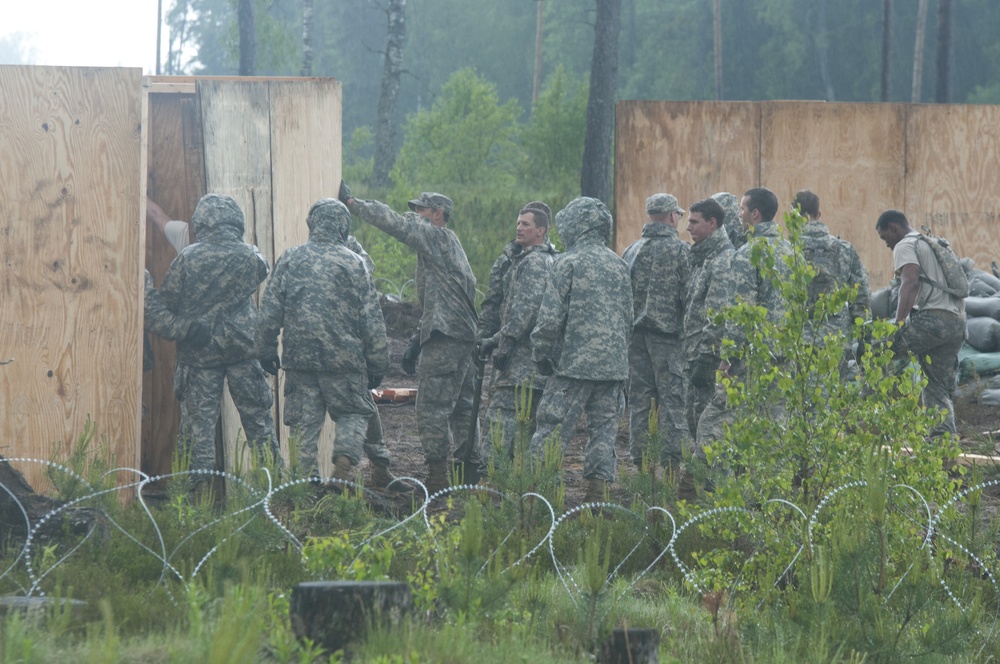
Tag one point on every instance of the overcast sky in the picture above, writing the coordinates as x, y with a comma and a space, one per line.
84, 33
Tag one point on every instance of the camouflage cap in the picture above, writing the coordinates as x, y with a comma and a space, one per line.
662, 204
430, 199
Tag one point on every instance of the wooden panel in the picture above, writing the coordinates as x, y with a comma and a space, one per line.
176, 181
952, 154
235, 119
71, 263
850, 155
306, 142
689, 149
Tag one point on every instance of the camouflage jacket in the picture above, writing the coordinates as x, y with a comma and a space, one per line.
526, 281
836, 264
585, 320
752, 286
446, 286
709, 290
734, 227
213, 281
158, 319
659, 263
323, 297
490, 310
352, 243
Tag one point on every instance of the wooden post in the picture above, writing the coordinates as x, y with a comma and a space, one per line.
335, 613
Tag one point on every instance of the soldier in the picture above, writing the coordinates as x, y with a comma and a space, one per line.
446, 289
522, 289
932, 319
659, 263
213, 281
732, 223
708, 290
837, 265
581, 340
757, 209
334, 348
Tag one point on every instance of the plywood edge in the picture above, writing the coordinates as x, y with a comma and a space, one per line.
187, 84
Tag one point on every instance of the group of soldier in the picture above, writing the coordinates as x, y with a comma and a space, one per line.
580, 328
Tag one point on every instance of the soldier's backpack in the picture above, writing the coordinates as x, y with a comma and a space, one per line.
822, 252
956, 281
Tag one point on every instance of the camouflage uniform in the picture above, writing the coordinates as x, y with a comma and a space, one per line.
524, 287
708, 290
837, 265
734, 227
490, 310
213, 281
659, 263
751, 286
583, 329
159, 320
334, 334
446, 289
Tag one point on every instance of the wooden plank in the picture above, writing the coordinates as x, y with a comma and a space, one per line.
71, 264
235, 117
951, 157
689, 149
175, 180
306, 157
851, 155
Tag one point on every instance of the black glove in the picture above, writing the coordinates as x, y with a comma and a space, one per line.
411, 356
703, 371
345, 192
374, 380
198, 336
270, 365
545, 367
485, 346
501, 361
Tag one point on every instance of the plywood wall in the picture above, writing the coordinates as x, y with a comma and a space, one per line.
70, 263
937, 163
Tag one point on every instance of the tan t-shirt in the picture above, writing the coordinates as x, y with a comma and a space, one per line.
911, 250
177, 234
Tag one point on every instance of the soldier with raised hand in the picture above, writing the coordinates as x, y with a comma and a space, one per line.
213, 282
334, 349
708, 291
521, 289
581, 340
837, 265
442, 350
748, 283
659, 264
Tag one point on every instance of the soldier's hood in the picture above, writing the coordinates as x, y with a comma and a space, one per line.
216, 213
731, 206
584, 218
328, 221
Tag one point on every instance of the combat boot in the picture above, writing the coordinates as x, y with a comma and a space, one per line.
343, 469
595, 490
437, 476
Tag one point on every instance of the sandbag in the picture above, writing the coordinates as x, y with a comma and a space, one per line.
881, 304
979, 288
984, 334
976, 307
972, 364
986, 277
989, 398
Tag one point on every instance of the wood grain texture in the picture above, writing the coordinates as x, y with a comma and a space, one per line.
851, 155
70, 263
689, 149
952, 185
175, 179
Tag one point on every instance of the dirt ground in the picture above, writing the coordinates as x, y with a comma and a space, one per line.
979, 426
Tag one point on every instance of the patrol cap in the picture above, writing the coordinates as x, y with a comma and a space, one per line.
429, 199
662, 204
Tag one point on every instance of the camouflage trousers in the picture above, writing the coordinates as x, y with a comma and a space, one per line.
718, 413
934, 338
565, 399
697, 398
501, 421
310, 395
445, 376
656, 374
199, 389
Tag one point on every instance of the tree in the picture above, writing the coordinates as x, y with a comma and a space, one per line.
918, 52
385, 123
943, 91
886, 48
248, 38
553, 140
307, 44
595, 176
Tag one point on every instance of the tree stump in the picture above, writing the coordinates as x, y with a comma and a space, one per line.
632, 646
335, 613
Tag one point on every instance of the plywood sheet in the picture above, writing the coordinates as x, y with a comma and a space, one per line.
689, 149
952, 183
175, 181
70, 262
851, 155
